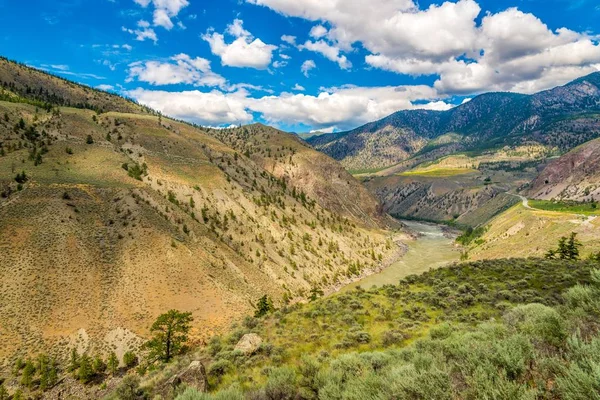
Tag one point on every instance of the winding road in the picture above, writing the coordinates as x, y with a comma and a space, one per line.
524, 200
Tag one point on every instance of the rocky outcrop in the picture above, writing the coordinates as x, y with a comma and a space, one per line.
193, 376
574, 176
249, 344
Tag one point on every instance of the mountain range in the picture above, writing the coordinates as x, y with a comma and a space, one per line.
561, 118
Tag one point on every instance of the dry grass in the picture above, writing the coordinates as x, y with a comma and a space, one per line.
207, 230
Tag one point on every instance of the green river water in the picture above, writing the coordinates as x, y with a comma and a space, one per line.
433, 249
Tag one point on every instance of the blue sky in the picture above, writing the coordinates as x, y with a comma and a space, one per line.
304, 65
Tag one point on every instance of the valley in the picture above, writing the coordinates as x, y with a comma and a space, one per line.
305, 270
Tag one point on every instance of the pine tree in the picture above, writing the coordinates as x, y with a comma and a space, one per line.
28, 373
85, 372
3, 393
264, 306
113, 363
73, 361
170, 335
98, 365
573, 246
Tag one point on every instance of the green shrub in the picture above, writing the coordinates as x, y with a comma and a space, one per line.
281, 384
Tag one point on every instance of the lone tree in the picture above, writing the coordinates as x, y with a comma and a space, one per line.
264, 306
170, 335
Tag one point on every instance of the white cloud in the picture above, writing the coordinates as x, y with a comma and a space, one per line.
179, 69
318, 31
344, 107
164, 10
161, 18
144, 32
329, 51
331, 129
244, 51
289, 39
213, 108
506, 50
298, 88
307, 66
106, 88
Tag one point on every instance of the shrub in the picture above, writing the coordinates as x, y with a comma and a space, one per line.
539, 321
392, 337
130, 359
232, 393
219, 368
281, 384
129, 389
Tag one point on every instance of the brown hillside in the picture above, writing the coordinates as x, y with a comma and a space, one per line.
90, 255
574, 176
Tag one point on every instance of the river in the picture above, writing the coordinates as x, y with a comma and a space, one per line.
432, 249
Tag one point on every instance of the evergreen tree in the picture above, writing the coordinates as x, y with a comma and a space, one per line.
28, 373
170, 335
3, 393
85, 372
264, 306
73, 361
130, 359
572, 248
98, 365
113, 363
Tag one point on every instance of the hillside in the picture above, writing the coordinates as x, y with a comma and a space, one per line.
561, 118
464, 189
111, 215
25, 84
504, 329
574, 176
529, 232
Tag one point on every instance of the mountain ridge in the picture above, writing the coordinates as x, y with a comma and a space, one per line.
486, 121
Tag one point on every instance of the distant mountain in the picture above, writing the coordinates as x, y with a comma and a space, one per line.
561, 118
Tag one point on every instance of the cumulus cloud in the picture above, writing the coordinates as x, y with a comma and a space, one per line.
289, 39
177, 70
343, 107
106, 88
506, 50
164, 10
330, 52
298, 88
318, 31
143, 32
212, 108
307, 66
244, 51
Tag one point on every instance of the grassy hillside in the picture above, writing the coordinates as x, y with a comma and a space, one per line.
527, 232
110, 215
20, 83
514, 329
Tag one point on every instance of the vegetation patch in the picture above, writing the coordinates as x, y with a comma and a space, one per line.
587, 208
439, 172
